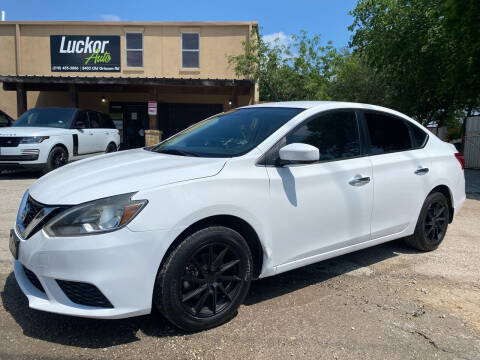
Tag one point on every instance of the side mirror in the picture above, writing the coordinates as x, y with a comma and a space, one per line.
298, 153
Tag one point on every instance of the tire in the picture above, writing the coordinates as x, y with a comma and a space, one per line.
111, 148
57, 158
212, 262
432, 223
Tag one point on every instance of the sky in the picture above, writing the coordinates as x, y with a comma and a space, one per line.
277, 18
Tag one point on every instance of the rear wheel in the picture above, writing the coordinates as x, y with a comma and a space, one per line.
57, 158
111, 148
205, 279
432, 223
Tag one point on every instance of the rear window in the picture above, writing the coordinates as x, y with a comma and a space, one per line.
419, 137
387, 133
107, 122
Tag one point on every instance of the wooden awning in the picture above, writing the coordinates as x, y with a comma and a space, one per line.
91, 83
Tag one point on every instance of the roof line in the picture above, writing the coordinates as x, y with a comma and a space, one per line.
133, 23
116, 80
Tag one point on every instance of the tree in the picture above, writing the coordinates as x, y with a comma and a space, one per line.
299, 70
412, 44
355, 81
462, 19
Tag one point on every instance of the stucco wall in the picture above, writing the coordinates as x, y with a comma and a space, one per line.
162, 48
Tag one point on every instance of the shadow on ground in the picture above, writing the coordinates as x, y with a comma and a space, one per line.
94, 333
19, 174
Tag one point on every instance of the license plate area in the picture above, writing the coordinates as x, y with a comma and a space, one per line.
14, 244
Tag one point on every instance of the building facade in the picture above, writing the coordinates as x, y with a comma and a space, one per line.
152, 78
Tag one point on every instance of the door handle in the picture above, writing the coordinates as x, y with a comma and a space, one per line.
359, 180
421, 171
91, 134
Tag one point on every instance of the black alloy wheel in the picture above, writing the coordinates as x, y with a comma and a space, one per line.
58, 157
436, 222
212, 279
432, 223
205, 279
111, 148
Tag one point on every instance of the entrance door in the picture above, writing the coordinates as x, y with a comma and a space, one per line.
176, 117
135, 123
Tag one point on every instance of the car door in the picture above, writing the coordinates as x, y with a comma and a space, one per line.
326, 205
100, 134
83, 139
400, 170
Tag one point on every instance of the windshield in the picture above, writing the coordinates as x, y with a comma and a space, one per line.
55, 118
227, 135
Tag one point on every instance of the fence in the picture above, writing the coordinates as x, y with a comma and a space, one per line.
472, 143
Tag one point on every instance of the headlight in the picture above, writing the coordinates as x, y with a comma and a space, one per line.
94, 217
33, 139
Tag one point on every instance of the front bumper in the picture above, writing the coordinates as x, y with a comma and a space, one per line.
122, 265
22, 155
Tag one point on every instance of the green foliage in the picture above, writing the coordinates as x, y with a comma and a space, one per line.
299, 70
423, 59
355, 81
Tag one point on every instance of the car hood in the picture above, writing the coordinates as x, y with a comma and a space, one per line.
32, 131
119, 173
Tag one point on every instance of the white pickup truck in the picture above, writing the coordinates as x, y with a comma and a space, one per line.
47, 138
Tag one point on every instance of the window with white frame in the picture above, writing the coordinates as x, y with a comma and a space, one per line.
134, 47
190, 50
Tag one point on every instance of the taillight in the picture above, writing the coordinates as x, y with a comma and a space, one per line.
461, 159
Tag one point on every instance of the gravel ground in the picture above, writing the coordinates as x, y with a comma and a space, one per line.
384, 302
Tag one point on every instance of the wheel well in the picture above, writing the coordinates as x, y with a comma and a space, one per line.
61, 146
112, 143
232, 222
447, 193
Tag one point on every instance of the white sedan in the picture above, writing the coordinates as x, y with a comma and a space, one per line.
48, 138
187, 224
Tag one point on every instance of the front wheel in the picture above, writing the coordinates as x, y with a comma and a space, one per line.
432, 223
58, 157
205, 279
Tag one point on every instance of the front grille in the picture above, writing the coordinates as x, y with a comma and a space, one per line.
9, 141
33, 279
31, 209
84, 294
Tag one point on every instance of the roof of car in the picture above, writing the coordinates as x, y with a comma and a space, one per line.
319, 105
297, 104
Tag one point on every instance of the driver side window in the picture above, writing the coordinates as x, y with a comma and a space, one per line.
81, 121
335, 134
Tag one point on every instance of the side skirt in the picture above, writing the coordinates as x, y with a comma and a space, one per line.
342, 251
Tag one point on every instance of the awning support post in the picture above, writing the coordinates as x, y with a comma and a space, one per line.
73, 95
21, 99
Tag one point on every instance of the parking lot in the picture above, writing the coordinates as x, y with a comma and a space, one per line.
384, 302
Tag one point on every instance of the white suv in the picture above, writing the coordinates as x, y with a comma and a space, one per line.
186, 224
48, 138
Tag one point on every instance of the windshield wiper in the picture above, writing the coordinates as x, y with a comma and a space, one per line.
177, 152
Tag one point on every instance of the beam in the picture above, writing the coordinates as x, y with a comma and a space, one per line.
21, 99
73, 95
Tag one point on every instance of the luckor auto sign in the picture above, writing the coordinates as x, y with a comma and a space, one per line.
85, 53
